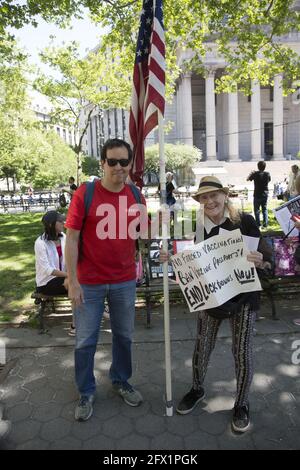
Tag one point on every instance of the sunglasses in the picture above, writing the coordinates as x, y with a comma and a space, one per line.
113, 162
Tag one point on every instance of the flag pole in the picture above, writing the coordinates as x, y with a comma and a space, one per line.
162, 180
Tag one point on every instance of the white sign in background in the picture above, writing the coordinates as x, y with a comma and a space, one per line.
214, 271
284, 213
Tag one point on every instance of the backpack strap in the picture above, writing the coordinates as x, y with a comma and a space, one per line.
135, 191
88, 196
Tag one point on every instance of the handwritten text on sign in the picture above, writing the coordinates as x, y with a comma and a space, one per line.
214, 271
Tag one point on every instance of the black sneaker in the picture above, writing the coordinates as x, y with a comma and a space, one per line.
240, 419
190, 401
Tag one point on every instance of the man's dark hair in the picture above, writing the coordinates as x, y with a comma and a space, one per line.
113, 143
261, 165
71, 179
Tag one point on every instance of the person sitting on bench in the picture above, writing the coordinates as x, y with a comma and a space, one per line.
49, 247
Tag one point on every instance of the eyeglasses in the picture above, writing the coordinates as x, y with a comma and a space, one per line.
113, 161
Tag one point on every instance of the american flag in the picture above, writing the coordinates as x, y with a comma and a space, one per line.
148, 93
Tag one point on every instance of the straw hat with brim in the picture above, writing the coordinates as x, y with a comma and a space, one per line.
208, 184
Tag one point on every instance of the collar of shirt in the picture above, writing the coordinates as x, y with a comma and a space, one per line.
209, 224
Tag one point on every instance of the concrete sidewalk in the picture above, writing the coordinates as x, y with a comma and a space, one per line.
38, 395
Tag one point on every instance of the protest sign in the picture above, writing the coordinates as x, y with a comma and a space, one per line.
250, 242
284, 215
215, 271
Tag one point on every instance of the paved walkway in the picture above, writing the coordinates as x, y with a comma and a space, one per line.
38, 394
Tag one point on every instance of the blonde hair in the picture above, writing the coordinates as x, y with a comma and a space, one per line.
234, 214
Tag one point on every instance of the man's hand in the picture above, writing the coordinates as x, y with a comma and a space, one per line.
75, 293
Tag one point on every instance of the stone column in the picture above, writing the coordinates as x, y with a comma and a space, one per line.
255, 121
186, 110
210, 115
233, 127
278, 119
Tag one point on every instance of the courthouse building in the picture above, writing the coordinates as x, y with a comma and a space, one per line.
227, 127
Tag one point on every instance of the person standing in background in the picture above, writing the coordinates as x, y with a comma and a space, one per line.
292, 190
261, 179
73, 186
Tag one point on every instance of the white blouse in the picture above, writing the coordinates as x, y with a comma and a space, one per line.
47, 259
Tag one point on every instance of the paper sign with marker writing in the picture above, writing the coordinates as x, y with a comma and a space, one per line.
214, 271
250, 242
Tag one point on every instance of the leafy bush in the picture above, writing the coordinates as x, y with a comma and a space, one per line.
176, 156
179, 159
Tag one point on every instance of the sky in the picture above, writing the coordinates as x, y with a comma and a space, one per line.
35, 39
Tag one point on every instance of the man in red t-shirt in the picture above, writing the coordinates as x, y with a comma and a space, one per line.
104, 269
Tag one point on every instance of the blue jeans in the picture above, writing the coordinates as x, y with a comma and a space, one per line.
261, 202
121, 302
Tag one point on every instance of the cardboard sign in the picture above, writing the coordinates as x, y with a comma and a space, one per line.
214, 271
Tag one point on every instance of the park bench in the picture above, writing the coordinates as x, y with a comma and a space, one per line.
45, 303
151, 287
25, 203
284, 277
275, 282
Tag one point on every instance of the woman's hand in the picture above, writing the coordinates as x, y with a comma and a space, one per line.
163, 256
297, 224
256, 257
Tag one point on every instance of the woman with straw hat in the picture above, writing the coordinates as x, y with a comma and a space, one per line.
220, 213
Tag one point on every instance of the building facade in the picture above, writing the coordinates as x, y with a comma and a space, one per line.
228, 127
41, 108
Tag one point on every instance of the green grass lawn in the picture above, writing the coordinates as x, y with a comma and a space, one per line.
17, 270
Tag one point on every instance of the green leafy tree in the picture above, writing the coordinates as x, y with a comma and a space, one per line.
81, 84
13, 102
48, 161
27, 152
90, 166
244, 32
179, 157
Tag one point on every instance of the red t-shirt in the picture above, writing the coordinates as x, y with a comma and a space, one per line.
107, 252
59, 252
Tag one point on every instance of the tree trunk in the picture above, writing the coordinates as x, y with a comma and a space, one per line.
7, 183
78, 156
